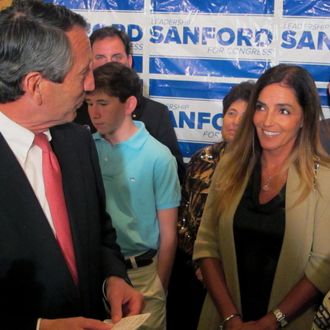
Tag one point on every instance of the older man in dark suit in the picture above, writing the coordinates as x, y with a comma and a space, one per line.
57, 244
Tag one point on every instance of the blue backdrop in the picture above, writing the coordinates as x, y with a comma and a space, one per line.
190, 52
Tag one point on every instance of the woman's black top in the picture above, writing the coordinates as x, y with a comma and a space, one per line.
258, 232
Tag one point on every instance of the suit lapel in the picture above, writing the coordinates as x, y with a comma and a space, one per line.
17, 195
20, 206
65, 149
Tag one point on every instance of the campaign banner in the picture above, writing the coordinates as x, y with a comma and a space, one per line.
189, 53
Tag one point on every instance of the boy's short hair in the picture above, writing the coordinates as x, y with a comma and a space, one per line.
116, 79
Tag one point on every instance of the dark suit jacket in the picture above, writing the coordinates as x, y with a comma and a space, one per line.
34, 279
156, 118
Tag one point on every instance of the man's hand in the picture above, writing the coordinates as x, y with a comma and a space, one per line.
124, 300
73, 323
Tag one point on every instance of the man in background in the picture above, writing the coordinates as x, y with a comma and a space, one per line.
58, 246
112, 45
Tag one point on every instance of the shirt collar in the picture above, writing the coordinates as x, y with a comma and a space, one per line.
18, 138
135, 141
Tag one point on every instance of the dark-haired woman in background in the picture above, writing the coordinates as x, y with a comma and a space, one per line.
202, 164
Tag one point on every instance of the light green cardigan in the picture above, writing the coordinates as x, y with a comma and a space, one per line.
305, 248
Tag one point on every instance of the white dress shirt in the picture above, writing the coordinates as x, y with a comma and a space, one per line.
29, 156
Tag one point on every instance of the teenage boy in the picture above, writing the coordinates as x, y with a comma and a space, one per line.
141, 183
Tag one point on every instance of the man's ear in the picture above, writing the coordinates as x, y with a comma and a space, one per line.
31, 85
130, 61
131, 104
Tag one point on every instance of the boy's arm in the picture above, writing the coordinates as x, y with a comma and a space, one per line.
168, 242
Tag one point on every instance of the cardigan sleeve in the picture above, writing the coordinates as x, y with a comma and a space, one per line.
206, 244
318, 266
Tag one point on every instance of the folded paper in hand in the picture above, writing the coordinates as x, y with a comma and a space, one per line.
130, 322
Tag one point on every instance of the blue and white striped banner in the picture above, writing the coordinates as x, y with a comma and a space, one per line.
190, 52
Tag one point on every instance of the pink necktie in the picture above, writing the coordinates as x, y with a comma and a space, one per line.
54, 193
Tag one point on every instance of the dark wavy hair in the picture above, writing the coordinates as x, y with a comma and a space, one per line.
242, 91
116, 79
110, 32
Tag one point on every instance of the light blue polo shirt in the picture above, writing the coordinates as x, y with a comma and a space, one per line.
140, 177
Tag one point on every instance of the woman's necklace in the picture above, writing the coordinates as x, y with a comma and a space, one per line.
267, 184
271, 182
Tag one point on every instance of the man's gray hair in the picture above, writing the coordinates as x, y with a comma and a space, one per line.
33, 39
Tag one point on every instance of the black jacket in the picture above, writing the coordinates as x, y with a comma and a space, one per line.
34, 279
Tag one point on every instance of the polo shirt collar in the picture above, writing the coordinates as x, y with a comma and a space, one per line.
136, 141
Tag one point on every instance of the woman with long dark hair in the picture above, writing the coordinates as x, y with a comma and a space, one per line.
263, 240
